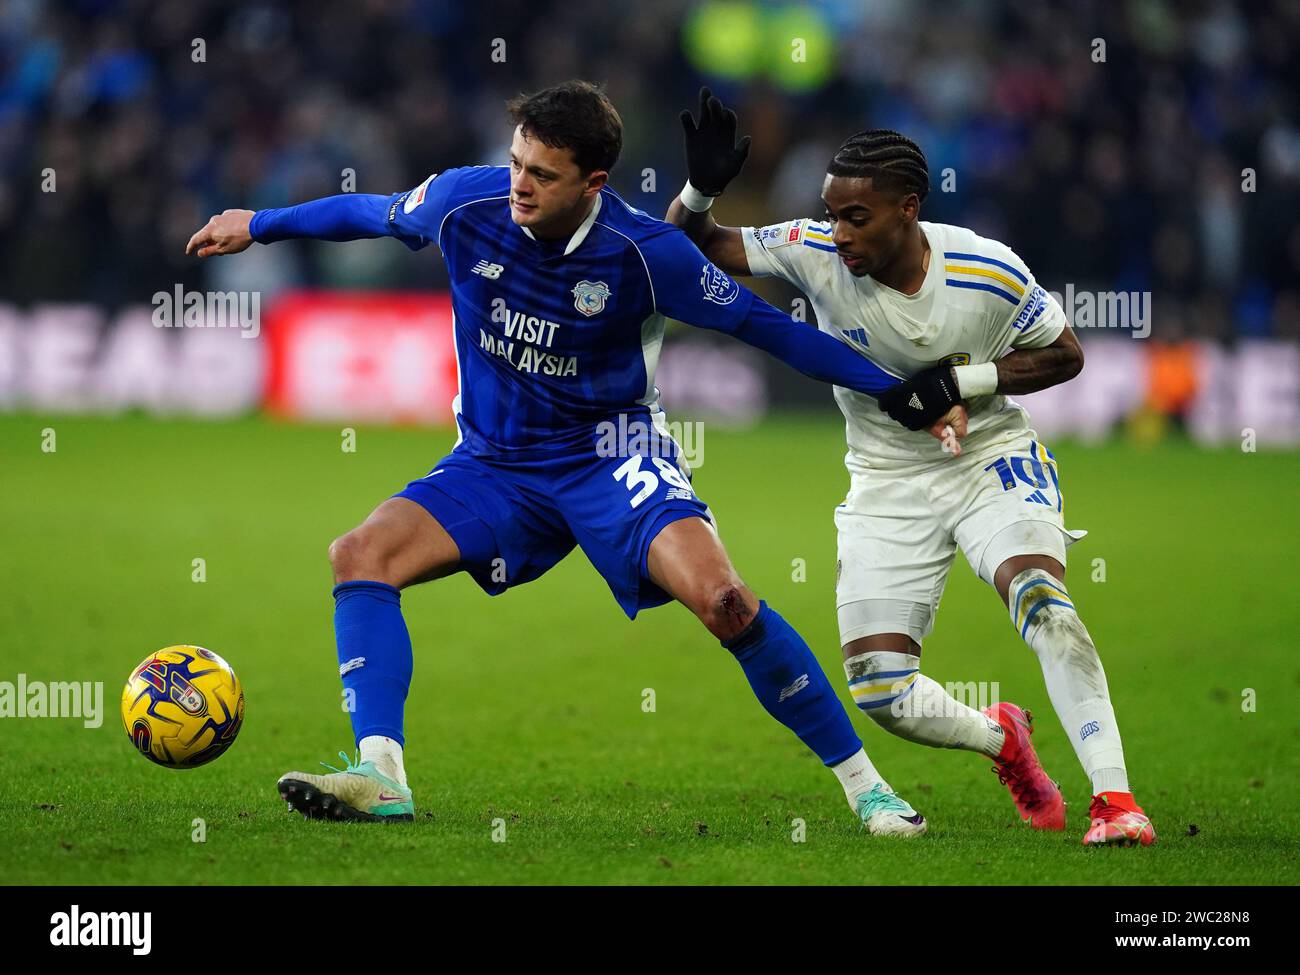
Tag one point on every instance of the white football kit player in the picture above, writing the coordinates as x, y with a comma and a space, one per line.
910, 504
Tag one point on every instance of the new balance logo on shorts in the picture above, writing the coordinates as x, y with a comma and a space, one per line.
489, 271
794, 688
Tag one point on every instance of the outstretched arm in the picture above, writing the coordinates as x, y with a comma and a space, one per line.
692, 290
810, 351
713, 159
348, 216
818, 355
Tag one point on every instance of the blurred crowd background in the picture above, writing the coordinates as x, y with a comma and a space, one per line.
1142, 145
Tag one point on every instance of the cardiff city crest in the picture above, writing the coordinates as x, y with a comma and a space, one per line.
589, 297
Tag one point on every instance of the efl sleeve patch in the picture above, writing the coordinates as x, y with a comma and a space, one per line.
416, 196
783, 249
779, 234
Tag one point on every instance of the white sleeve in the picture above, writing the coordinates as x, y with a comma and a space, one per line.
1035, 320
787, 250
1038, 321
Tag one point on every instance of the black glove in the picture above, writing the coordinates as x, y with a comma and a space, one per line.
713, 157
923, 399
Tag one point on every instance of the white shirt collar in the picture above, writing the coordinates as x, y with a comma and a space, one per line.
580, 234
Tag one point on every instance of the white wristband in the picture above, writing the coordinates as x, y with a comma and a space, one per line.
694, 200
980, 379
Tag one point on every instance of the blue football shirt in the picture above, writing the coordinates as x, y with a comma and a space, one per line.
553, 336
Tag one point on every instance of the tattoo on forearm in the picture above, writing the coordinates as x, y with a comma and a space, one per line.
1029, 370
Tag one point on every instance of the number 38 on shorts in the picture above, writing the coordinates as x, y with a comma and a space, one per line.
643, 482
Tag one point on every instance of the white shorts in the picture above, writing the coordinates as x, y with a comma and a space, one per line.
899, 532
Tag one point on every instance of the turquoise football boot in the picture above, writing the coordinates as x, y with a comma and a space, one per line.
357, 792
885, 814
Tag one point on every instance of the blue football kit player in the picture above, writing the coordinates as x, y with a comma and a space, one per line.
560, 291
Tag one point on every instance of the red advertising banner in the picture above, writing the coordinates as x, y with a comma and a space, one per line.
361, 356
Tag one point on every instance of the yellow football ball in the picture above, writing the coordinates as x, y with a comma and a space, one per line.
182, 707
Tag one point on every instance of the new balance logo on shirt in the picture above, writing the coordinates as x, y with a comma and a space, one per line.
489, 271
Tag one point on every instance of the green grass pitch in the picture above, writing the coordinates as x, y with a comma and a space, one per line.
527, 708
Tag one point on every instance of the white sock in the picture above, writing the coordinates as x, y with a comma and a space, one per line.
386, 753
889, 686
857, 775
1044, 615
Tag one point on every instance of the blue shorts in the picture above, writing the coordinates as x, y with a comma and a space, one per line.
513, 519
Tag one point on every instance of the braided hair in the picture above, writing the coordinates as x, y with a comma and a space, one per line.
892, 161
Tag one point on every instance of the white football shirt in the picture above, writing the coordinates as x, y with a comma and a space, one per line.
978, 301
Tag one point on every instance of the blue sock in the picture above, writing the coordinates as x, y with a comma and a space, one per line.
779, 665
374, 656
